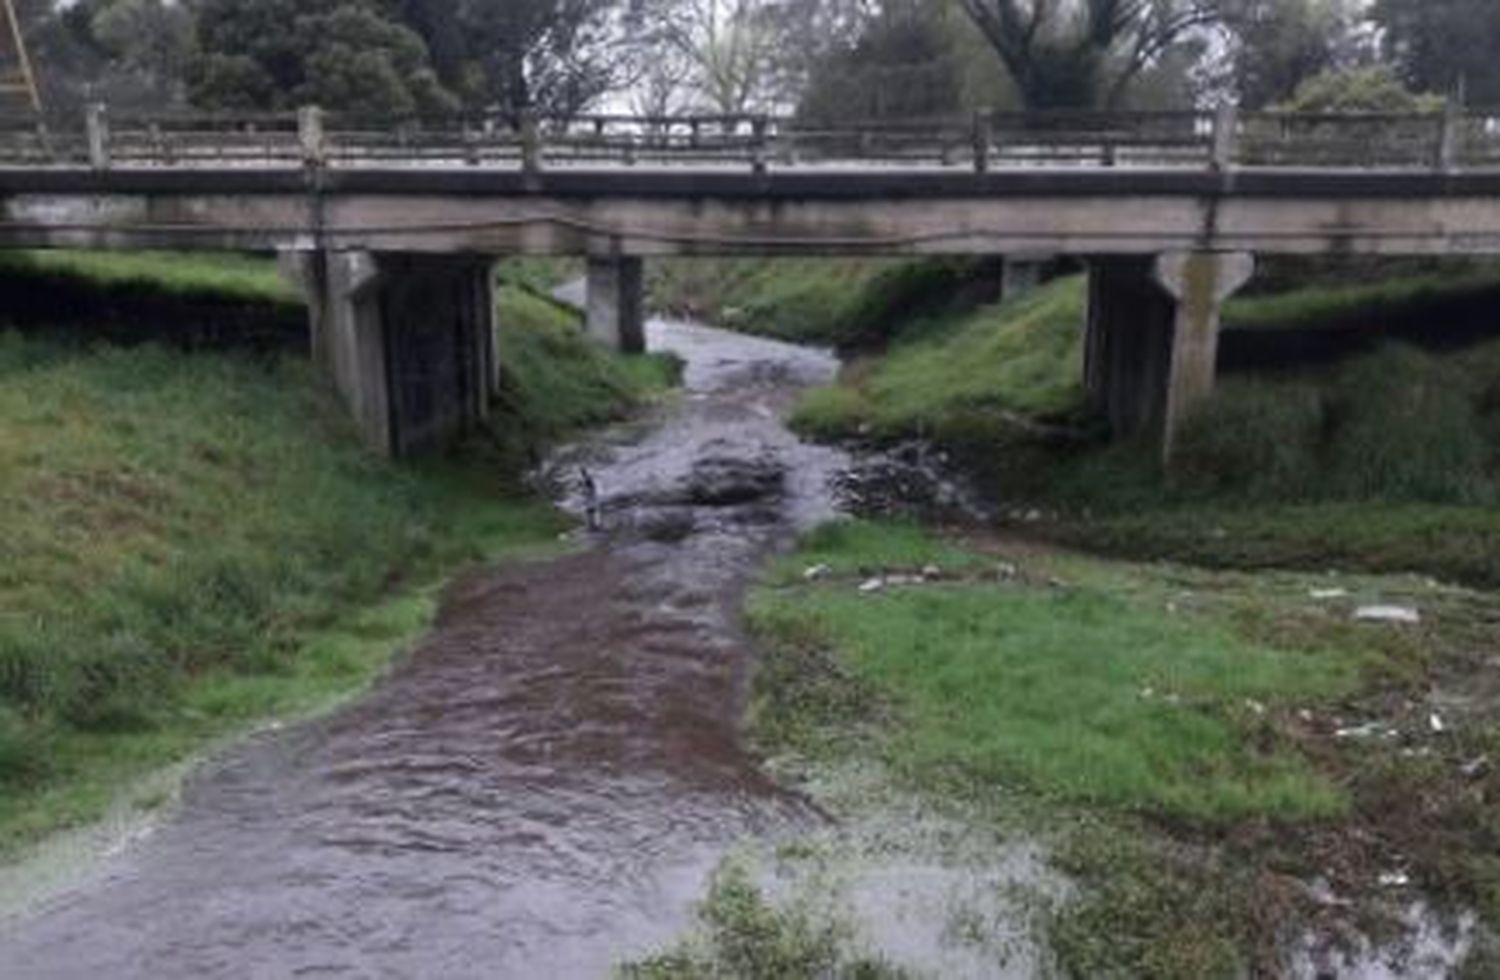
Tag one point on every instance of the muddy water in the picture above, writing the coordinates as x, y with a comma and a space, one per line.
543, 787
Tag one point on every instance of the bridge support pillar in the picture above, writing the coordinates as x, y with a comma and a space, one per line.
408, 339
616, 304
1153, 337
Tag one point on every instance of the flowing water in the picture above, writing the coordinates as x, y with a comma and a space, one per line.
544, 785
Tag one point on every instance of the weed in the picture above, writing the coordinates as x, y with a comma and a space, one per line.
745, 937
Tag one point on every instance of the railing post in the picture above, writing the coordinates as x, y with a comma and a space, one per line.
981, 136
758, 145
311, 136
1450, 135
1226, 135
531, 144
96, 122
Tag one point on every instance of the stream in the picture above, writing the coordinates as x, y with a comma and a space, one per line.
543, 786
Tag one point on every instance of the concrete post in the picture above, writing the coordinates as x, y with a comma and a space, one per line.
311, 136
616, 304
1153, 337
96, 125
1226, 135
408, 340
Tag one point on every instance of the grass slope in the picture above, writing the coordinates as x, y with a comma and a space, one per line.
197, 540
222, 274
1171, 735
996, 684
1388, 460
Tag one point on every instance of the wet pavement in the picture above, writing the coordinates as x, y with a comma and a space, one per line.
543, 787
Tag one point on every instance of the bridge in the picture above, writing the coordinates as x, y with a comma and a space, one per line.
391, 228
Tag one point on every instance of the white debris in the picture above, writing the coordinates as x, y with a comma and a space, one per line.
1255, 706
1395, 879
904, 580
1388, 614
1324, 595
1372, 729
873, 585
932, 573
1435, 722
1475, 768
817, 573
1007, 570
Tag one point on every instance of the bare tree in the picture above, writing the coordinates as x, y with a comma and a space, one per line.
729, 48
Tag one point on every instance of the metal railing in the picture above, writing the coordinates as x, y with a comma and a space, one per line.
1221, 139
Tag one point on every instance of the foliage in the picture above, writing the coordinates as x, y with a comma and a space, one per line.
345, 55
1064, 54
905, 64
549, 56
195, 540
1374, 89
745, 937
1444, 46
1280, 44
1073, 692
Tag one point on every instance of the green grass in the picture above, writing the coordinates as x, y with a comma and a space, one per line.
1319, 304
744, 936
1166, 732
222, 274
1075, 693
197, 540
799, 300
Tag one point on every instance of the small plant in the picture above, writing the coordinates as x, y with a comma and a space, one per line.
743, 936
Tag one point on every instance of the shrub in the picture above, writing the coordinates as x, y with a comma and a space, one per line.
1256, 438
1405, 427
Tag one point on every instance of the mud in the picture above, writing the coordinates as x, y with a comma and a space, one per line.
543, 787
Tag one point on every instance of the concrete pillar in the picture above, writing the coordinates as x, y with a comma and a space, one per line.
1153, 337
616, 304
408, 340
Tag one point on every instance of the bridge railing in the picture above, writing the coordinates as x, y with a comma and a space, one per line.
981, 141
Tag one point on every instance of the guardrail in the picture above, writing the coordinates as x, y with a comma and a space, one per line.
1220, 139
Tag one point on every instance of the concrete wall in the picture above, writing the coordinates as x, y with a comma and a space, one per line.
408, 341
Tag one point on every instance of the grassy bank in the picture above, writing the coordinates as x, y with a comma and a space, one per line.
195, 541
1386, 460
1173, 735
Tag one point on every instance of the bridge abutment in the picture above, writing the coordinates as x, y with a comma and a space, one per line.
1153, 337
408, 340
616, 303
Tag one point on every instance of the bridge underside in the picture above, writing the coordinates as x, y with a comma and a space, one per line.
396, 264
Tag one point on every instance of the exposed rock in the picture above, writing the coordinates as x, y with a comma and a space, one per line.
726, 481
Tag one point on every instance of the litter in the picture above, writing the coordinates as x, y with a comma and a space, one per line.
1388, 614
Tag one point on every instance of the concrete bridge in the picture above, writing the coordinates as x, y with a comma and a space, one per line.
391, 229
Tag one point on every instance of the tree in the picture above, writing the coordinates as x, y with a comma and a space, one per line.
553, 57
1276, 45
1081, 53
1373, 89
1446, 46
906, 62
345, 55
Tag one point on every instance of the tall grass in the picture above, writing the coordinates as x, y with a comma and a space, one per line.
223, 274
183, 523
